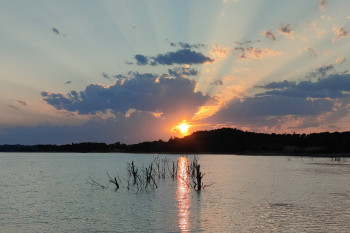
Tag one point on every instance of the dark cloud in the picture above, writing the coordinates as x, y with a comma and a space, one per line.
141, 60
269, 34
182, 72
286, 28
182, 56
144, 92
322, 72
56, 31
68, 82
273, 105
288, 102
185, 45
279, 85
334, 86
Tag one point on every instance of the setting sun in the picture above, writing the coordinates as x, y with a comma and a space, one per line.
184, 128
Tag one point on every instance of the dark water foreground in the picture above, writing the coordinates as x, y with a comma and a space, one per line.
49, 193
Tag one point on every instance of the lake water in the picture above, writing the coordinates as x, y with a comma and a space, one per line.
41, 192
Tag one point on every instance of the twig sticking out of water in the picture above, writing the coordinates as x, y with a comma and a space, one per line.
95, 183
173, 171
196, 174
133, 171
113, 181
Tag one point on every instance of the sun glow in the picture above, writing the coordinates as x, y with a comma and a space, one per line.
181, 128
184, 128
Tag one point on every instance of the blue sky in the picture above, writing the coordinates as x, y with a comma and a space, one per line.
131, 71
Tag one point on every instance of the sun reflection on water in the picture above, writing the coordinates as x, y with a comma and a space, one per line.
183, 194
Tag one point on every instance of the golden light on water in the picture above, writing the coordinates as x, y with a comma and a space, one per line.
183, 194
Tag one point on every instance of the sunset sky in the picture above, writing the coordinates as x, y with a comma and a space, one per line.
133, 70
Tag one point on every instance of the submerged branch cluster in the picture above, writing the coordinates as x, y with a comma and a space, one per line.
148, 178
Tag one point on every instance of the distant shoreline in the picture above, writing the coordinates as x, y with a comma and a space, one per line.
220, 141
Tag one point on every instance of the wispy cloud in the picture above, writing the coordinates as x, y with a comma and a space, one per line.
12, 106
217, 83
323, 4
340, 33
311, 51
340, 60
286, 30
106, 76
219, 52
185, 45
256, 53
21, 102
319, 32
182, 72
325, 70
270, 35
57, 32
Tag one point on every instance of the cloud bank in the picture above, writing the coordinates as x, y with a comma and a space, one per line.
286, 101
144, 92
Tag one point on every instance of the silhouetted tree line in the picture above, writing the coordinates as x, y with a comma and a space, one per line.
224, 140
228, 140
85, 147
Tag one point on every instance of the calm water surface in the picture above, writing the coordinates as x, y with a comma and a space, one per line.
42, 192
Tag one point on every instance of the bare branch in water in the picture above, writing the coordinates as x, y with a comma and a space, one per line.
95, 183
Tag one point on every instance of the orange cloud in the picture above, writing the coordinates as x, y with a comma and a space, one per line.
340, 60
219, 52
340, 33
